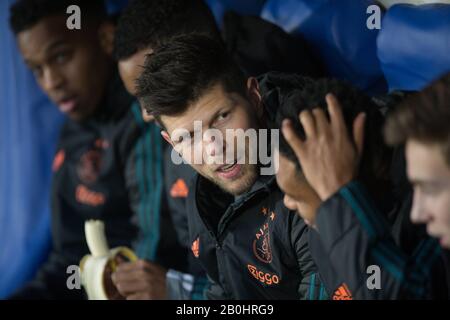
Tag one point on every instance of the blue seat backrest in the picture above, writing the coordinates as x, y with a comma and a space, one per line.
337, 31
414, 45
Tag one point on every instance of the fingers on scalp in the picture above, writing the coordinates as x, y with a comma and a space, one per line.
358, 131
334, 108
308, 122
320, 119
288, 131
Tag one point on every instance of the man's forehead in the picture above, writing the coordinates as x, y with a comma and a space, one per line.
52, 29
203, 110
425, 162
287, 168
45, 35
137, 59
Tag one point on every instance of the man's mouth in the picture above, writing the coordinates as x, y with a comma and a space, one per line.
229, 171
444, 241
67, 105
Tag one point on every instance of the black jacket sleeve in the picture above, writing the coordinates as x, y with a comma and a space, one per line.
352, 235
163, 228
311, 286
142, 151
178, 182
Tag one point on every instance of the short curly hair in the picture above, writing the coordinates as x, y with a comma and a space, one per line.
352, 101
149, 23
24, 14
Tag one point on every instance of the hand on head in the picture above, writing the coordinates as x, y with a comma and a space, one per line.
328, 156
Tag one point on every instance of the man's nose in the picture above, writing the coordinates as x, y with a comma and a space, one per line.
211, 148
214, 146
418, 212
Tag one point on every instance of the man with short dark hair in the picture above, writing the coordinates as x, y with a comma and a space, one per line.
146, 24
310, 100
423, 124
338, 174
104, 167
142, 26
256, 44
250, 245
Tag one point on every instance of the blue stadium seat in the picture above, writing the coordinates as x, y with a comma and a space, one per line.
247, 7
29, 128
338, 32
414, 45
115, 6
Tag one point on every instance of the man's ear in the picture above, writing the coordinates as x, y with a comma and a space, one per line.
166, 137
106, 37
254, 96
147, 117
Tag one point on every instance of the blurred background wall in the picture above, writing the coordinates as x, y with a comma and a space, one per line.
29, 127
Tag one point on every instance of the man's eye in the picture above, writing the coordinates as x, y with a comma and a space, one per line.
430, 190
223, 116
61, 58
